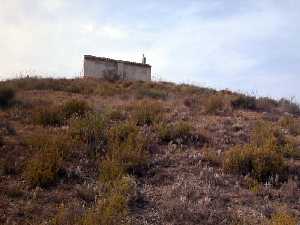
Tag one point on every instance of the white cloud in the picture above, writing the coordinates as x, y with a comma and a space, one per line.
52, 5
194, 42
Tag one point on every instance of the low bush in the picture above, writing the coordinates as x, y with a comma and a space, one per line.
192, 89
291, 124
151, 93
172, 132
92, 131
214, 104
147, 113
267, 135
43, 168
58, 115
68, 215
75, 108
51, 116
212, 157
112, 208
192, 102
127, 145
264, 133
126, 149
117, 114
289, 150
7, 96
289, 106
266, 104
109, 89
282, 218
111, 170
244, 102
261, 163
180, 133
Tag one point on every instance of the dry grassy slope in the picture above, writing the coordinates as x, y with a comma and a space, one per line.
184, 182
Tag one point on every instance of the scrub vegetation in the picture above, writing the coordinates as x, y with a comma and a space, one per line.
87, 152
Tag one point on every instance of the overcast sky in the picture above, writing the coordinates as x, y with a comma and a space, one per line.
247, 45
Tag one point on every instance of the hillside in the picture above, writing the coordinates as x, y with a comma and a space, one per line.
85, 152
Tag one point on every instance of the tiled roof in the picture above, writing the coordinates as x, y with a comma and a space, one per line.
90, 57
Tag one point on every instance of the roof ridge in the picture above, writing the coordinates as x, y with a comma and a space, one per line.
114, 60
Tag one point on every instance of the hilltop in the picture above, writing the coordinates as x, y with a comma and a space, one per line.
86, 151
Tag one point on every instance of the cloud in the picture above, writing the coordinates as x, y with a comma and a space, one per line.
242, 45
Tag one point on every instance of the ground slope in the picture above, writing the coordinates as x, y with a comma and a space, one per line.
98, 152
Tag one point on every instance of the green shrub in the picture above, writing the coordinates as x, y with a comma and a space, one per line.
68, 215
75, 107
127, 145
51, 116
7, 96
117, 114
260, 163
147, 113
289, 150
111, 170
172, 132
92, 131
112, 207
43, 168
267, 134
244, 102
109, 211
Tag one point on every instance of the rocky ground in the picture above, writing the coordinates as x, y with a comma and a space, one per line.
181, 181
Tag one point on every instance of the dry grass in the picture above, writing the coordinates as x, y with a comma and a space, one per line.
147, 112
214, 104
50, 151
264, 164
75, 108
127, 145
283, 218
51, 116
292, 124
143, 161
91, 130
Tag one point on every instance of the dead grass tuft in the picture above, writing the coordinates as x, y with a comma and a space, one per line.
262, 163
147, 112
50, 151
282, 218
91, 130
75, 108
214, 104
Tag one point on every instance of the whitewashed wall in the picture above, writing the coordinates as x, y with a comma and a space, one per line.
98, 69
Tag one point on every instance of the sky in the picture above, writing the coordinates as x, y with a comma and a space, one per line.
250, 46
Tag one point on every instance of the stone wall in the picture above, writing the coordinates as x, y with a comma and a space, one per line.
99, 67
